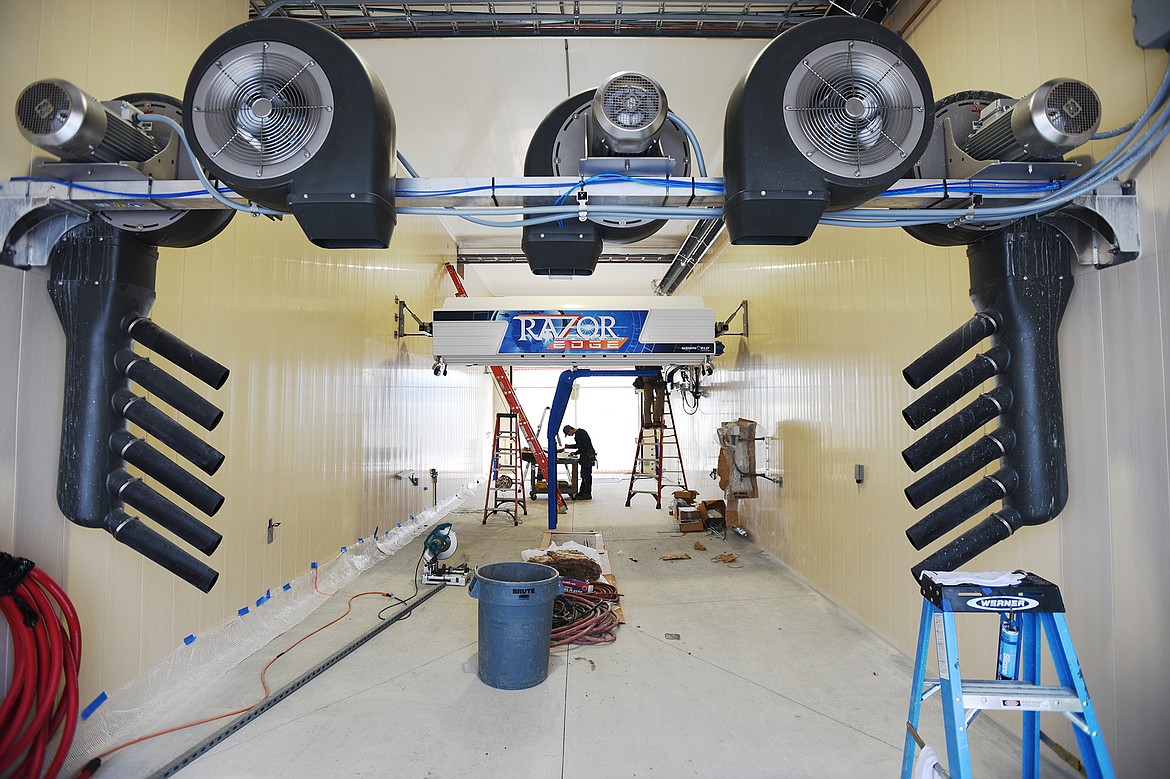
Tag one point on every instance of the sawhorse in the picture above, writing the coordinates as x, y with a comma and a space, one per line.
1032, 604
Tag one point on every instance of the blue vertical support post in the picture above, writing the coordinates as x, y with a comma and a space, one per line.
916, 690
1086, 728
951, 681
1030, 672
556, 415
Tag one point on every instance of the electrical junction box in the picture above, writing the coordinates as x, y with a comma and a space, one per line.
634, 331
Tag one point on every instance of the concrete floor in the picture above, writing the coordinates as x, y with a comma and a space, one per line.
765, 679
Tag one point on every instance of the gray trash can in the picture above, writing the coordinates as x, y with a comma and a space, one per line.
515, 622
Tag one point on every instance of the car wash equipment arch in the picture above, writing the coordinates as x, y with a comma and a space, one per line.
557, 415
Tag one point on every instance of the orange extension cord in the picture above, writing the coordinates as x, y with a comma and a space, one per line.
93, 765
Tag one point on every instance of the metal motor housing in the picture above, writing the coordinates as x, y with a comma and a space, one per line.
56, 116
1047, 123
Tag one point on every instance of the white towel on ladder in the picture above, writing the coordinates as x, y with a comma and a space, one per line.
927, 765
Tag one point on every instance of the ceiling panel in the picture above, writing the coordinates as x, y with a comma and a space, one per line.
468, 108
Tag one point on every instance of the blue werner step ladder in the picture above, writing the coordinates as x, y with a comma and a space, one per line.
1024, 609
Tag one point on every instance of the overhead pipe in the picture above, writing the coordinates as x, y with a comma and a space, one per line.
997, 527
949, 349
986, 450
135, 534
154, 463
966, 421
957, 510
159, 341
185, 443
954, 387
167, 514
167, 388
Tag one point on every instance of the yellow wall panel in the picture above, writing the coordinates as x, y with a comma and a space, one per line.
315, 420
834, 321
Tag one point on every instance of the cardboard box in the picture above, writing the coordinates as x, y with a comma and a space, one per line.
712, 509
685, 495
689, 520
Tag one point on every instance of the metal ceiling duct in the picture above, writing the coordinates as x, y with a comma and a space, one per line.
288, 115
829, 115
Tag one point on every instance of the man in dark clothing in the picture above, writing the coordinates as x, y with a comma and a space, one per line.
588, 456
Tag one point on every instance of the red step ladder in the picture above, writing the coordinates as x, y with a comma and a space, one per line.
506, 477
508, 392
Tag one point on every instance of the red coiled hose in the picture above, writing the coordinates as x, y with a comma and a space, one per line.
42, 701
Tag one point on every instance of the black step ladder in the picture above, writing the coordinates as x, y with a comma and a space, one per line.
505, 493
1027, 608
657, 455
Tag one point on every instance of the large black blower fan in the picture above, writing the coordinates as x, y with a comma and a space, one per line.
622, 127
828, 115
288, 115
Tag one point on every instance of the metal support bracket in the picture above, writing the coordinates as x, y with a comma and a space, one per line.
32, 224
1102, 226
424, 328
722, 328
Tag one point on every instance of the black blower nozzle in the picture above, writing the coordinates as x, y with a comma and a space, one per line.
102, 286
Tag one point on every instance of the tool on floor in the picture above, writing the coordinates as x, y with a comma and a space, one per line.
441, 545
505, 493
508, 392
1027, 604
657, 455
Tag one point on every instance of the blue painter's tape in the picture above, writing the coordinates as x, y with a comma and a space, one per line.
242, 611
91, 708
287, 587
313, 565
264, 598
361, 540
189, 640
343, 550
376, 529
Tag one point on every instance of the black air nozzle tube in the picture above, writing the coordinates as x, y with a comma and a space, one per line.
135, 492
966, 421
962, 507
954, 387
132, 532
173, 392
982, 537
949, 349
987, 449
155, 463
139, 411
186, 357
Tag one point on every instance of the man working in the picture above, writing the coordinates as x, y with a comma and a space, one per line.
588, 455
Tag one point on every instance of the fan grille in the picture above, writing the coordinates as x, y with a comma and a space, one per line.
1073, 108
262, 110
43, 108
631, 101
854, 109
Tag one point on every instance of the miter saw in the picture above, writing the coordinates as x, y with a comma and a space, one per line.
441, 545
